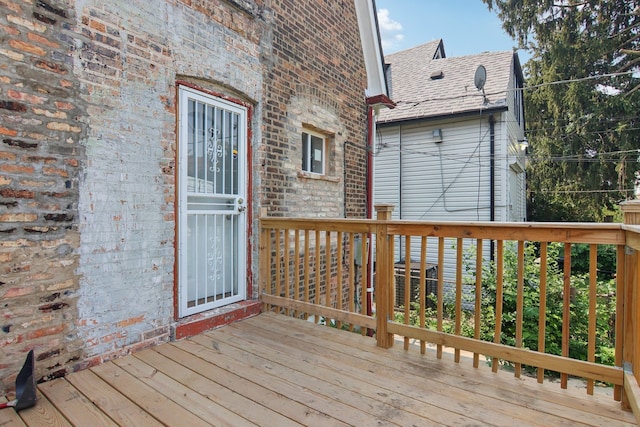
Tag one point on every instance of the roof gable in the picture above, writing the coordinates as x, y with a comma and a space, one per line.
452, 90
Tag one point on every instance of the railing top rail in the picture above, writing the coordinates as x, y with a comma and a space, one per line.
612, 234
330, 224
566, 232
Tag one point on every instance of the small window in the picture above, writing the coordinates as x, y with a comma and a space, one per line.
314, 153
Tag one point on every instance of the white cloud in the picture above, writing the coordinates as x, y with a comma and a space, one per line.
390, 30
386, 23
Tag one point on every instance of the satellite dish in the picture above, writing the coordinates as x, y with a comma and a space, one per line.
480, 78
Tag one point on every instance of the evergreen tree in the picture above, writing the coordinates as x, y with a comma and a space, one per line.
581, 102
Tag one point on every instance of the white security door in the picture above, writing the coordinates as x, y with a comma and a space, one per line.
211, 224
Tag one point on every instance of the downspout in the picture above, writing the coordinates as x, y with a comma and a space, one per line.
373, 104
371, 117
492, 176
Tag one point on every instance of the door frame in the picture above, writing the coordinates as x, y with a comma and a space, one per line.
248, 180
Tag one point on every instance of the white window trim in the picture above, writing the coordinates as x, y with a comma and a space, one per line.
325, 152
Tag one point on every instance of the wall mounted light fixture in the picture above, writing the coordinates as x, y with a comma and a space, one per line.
437, 135
524, 143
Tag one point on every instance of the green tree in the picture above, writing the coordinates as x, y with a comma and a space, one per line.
581, 102
579, 305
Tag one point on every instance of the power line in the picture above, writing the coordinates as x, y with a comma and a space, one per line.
505, 91
535, 158
581, 79
545, 190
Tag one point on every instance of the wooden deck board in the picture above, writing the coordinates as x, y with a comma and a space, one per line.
381, 389
271, 370
261, 395
110, 401
423, 396
524, 392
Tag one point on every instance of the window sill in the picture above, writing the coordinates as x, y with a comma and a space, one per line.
318, 177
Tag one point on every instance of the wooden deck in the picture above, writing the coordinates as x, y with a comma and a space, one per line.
271, 370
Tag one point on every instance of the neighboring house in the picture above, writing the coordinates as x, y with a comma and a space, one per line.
140, 143
449, 151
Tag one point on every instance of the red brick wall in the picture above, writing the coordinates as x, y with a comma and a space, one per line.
314, 76
88, 152
43, 120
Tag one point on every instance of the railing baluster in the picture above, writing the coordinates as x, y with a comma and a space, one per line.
339, 273
341, 243
278, 265
566, 309
542, 313
619, 328
478, 299
440, 296
407, 286
458, 324
296, 280
392, 279
519, 304
287, 281
307, 255
593, 299
495, 362
352, 277
423, 291
265, 263
317, 274
364, 273
327, 280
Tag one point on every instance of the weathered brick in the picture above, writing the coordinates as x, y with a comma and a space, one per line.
13, 106
27, 47
53, 67
11, 54
4, 155
63, 127
9, 132
63, 105
131, 321
53, 9
19, 143
36, 38
21, 194
55, 171
9, 30
43, 18
18, 217
17, 169
18, 292
43, 332
28, 98
27, 23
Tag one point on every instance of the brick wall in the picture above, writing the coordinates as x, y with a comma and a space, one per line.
87, 166
315, 77
88, 153
43, 121
131, 56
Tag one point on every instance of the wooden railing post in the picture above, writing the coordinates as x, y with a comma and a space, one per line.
631, 340
384, 277
631, 352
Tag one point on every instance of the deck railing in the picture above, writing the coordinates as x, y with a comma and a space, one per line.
325, 270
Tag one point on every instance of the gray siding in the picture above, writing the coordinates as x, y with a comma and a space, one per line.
449, 180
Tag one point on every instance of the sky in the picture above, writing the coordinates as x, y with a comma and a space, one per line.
465, 26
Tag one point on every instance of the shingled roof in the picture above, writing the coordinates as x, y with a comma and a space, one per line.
423, 87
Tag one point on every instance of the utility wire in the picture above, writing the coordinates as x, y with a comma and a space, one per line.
505, 91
